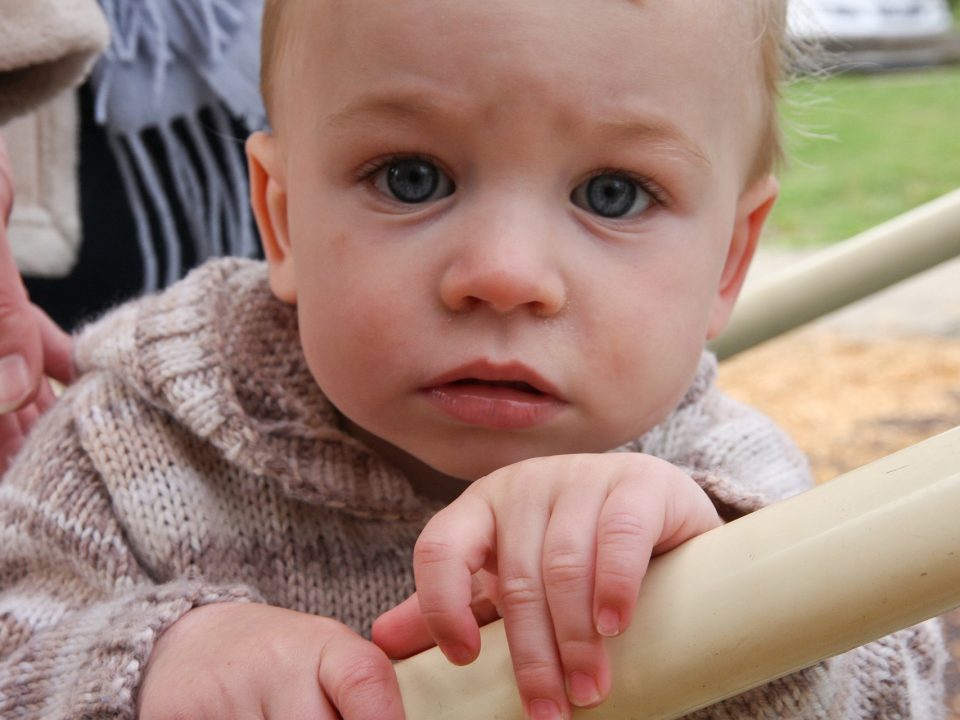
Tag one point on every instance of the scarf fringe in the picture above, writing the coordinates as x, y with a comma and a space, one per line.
153, 30
209, 189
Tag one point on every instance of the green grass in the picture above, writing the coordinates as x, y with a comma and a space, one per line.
863, 149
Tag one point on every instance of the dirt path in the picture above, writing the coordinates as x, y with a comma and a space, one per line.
848, 401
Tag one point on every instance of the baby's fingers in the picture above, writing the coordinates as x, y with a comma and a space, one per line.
636, 524
452, 547
627, 529
569, 566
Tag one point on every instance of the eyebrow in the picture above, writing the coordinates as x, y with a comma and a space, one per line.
418, 106
386, 106
654, 130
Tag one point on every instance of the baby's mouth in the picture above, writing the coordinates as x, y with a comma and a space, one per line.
514, 385
504, 397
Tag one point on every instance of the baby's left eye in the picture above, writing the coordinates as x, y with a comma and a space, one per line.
412, 181
611, 195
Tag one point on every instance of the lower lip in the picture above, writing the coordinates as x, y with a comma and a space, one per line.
494, 407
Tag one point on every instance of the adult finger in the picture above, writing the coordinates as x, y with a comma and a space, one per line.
569, 562
358, 679
21, 356
6, 183
11, 439
57, 347
45, 397
15, 426
454, 545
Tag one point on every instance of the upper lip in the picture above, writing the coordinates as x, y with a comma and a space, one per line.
488, 371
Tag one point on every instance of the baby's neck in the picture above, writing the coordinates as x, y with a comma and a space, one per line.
424, 479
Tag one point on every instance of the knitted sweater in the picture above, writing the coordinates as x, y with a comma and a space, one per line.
196, 461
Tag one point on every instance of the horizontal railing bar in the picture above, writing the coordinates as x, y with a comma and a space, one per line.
844, 273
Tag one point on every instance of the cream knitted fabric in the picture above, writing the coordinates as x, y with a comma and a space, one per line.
197, 461
46, 47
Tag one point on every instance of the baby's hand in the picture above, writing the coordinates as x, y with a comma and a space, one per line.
235, 660
560, 546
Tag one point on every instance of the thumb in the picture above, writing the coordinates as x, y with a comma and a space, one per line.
401, 632
21, 356
21, 353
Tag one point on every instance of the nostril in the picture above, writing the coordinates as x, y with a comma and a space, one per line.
503, 289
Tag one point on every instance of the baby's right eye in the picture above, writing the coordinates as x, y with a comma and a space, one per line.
412, 181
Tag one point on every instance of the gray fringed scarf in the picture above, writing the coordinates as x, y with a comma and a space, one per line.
167, 61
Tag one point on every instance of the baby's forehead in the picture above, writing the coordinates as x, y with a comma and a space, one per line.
709, 50
347, 19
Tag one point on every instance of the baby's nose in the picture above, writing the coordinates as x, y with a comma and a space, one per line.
504, 277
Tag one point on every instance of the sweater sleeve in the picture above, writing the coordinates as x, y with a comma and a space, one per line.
79, 614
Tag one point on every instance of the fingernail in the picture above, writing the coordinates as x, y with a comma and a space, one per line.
457, 654
582, 689
14, 382
545, 710
608, 622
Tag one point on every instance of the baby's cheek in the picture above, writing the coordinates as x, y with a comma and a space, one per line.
353, 342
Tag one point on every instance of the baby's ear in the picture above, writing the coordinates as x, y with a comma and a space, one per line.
268, 196
753, 207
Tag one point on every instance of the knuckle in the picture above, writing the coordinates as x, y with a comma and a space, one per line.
565, 569
616, 584
622, 529
364, 686
430, 550
534, 672
520, 591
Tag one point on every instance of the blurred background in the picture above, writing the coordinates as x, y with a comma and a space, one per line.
875, 134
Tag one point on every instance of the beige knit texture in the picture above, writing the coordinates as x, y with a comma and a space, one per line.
46, 47
196, 461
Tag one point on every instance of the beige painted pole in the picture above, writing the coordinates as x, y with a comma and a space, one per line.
845, 273
873, 551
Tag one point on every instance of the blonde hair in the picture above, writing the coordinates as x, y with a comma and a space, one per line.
768, 19
275, 33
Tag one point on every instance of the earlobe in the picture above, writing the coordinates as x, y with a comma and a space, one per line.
753, 208
268, 197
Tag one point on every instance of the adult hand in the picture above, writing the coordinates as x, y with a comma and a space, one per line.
31, 344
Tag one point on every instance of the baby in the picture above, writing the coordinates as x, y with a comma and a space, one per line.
498, 235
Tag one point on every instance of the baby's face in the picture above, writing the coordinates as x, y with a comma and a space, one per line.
507, 224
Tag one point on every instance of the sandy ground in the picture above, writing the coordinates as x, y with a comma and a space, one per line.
864, 383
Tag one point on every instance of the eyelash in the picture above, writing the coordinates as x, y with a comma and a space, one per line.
645, 182
367, 171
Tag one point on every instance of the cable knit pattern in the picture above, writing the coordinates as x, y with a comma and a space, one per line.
196, 461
